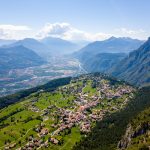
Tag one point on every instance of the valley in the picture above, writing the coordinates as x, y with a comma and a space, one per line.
20, 79
74, 75
55, 102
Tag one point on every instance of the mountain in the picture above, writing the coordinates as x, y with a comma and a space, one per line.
46, 47
102, 62
111, 45
135, 68
60, 46
6, 42
38, 47
18, 57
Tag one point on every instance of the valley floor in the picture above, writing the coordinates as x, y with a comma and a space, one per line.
20, 79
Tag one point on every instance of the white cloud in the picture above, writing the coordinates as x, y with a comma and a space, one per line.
13, 31
68, 32
65, 31
13, 27
130, 32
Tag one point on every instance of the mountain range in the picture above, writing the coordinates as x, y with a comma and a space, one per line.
46, 47
100, 56
111, 45
38, 47
29, 52
88, 112
135, 68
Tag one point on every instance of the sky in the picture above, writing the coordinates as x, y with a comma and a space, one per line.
74, 19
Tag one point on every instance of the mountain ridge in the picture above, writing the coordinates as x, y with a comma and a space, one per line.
135, 67
111, 45
60, 46
18, 57
34, 45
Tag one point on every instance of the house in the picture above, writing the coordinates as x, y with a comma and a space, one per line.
54, 141
44, 131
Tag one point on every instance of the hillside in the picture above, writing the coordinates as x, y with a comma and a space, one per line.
135, 68
101, 56
102, 62
57, 116
50, 86
18, 57
137, 132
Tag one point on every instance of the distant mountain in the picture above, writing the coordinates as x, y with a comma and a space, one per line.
81, 43
111, 45
35, 45
135, 68
18, 57
60, 46
102, 61
46, 47
6, 42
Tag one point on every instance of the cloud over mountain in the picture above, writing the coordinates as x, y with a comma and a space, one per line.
65, 31
68, 32
134, 33
13, 31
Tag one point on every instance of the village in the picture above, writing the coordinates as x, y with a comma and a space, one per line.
94, 97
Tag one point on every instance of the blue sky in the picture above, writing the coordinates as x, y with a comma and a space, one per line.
83, 19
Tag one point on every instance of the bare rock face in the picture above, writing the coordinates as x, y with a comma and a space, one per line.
131, 133
125, 141
141, 129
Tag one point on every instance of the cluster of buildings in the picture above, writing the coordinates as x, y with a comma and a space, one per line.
34, 143
84, 111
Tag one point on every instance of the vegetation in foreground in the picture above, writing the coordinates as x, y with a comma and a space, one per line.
59, 115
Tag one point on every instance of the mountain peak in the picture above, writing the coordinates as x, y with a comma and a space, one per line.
28, 40
121, 38
148, 39
112, 38
146, 44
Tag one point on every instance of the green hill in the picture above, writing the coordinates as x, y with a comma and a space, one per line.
61, 113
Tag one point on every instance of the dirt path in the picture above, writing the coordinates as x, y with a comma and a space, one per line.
17, 139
